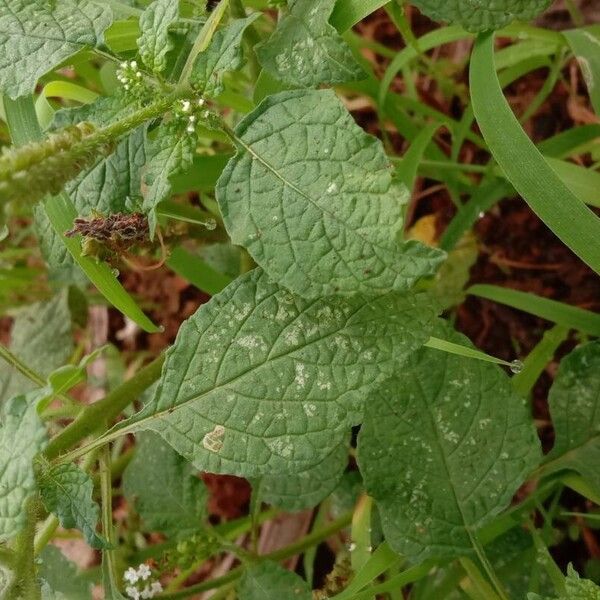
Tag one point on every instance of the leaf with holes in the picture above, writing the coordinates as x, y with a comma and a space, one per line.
442, 449
311, 196
164, 487
305, 50
37, 36
262, 382
481, 15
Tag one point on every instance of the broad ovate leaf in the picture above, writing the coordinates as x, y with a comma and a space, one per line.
269, 581
22, 436
260, 381
310, 195
298, 491
154, 43
443, 448
164, 488
37, 36
574, 401
67, 492
481, 15
305, 50
224, 54
42, 338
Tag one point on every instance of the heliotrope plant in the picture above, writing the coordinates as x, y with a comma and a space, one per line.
329, 318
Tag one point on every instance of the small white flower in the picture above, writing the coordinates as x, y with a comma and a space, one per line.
131, 575
133, 64
144, 571
201, 101
126, 86
206, 114
186, 106
123, 65
192, 118
190, 129
132, 593
147, 593
156, 587
138, 74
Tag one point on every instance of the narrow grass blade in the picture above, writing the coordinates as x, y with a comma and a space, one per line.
197, 272
525, 167
347, 13
551, 310
585, 44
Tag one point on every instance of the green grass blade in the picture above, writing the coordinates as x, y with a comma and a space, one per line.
408, 167
24, 127
570, 142
551, 310
525, 167
197, 272
347, 13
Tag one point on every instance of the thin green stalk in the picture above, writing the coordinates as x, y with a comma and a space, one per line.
109, 566
298, 547
105, 410
20, 366
465, 351
202, 42
487, 565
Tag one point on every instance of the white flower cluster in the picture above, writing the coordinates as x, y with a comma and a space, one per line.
188, 110
139, 588
129, 75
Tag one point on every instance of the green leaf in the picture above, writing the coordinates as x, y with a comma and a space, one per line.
261, 382
155, 42
535, 180
22, 436
348, 13
42, 339
195, 270
170, 152
585, 44
268, 581
311, 196
37, 36
576, 588
67, 492
62, 268
112, 180
167, 494
224, 54
442, 449
481, 15
305, 50
574, 401
293, 492
60, 577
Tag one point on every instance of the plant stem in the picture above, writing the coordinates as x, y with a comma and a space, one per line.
14, 361
25, 584
105, 410
109, 567
483, 559
298, 547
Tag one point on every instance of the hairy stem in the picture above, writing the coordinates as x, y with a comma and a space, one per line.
20, 366
24, 585
105, 410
